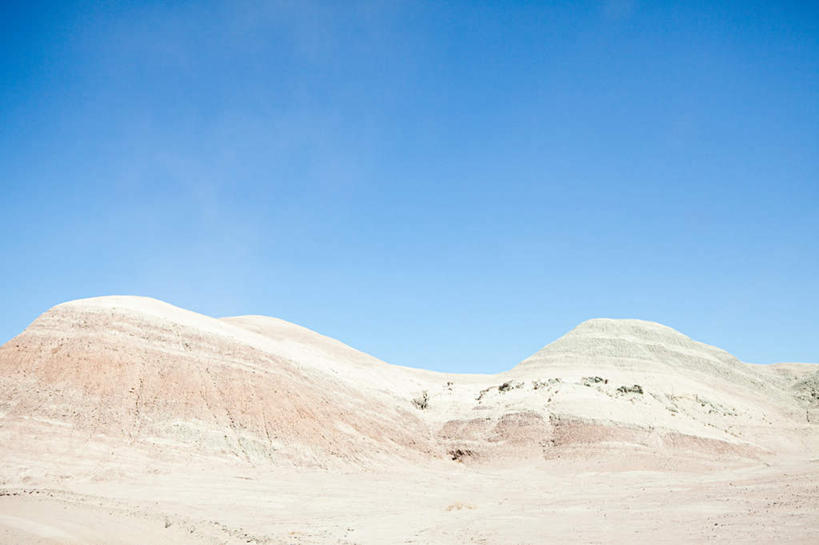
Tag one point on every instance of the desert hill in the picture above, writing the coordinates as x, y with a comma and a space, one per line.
128, 420
139, 372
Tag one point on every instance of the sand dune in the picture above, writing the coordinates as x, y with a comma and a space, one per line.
142, 419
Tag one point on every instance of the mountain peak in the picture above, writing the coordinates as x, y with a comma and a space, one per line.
622, 342
625, 327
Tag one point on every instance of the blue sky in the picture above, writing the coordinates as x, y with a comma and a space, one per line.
443, 185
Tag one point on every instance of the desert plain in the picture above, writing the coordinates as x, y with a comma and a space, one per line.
127, 420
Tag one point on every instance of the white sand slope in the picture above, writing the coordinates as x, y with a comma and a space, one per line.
101, 397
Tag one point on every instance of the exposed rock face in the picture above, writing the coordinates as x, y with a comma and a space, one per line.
143, 371
636, 344
689, 387
136, 372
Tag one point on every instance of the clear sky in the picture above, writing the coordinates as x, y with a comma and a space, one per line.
443, 185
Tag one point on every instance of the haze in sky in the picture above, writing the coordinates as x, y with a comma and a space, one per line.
448, 186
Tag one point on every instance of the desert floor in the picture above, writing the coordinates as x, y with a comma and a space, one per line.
557, 502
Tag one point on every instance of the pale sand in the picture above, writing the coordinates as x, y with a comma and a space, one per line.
127, 420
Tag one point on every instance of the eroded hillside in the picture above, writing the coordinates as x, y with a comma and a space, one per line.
136, 373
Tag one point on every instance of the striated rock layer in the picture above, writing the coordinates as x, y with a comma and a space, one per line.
135, 373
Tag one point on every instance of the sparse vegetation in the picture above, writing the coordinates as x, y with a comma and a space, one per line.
459, 454
538, 384
422, 401
506, 386
634, 389
457, 506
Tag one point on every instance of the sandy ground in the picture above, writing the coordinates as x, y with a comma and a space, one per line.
551, 503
